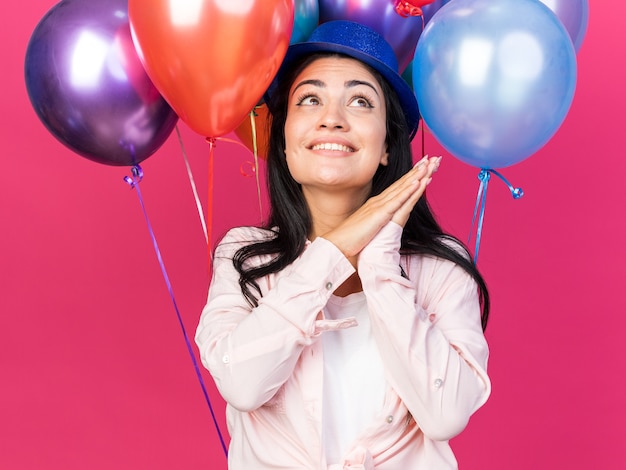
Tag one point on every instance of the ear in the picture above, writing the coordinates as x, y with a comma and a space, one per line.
384, 159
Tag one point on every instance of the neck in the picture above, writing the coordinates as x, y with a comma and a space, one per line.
329, 210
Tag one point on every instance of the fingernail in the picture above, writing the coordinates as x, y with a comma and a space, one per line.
437, 162
421, 163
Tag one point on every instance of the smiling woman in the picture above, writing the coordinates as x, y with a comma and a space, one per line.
347, 332
335, 131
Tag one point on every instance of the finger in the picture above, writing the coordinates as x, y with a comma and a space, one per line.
434, 163
395, 204
422, 169
406, 181
402, 214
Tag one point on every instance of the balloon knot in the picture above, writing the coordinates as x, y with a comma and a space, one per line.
135, 179
405, 8
485, 174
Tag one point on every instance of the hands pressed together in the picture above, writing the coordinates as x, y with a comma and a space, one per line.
393, 204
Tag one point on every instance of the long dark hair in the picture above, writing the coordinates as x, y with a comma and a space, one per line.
289, 221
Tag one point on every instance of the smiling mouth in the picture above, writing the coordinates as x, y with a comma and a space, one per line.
330, 146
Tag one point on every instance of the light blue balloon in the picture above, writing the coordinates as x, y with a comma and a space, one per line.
494, 79
306, 18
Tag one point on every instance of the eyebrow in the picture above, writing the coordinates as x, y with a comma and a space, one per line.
321, 84
314, 82
353, 83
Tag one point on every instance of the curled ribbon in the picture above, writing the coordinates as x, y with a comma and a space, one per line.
247, 169
481, 199
133, 181
407, 8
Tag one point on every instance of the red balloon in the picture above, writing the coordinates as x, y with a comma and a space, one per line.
211, 60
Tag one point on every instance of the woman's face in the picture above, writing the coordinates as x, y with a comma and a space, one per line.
336, 127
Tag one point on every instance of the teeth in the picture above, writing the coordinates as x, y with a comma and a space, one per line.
329, 146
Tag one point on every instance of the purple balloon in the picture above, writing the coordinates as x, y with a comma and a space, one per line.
574, 14
381, 16
430, 9
88, 87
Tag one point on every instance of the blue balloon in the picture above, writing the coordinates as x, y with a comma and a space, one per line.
494, 80
306, 18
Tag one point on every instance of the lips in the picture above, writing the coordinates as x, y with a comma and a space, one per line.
332, 146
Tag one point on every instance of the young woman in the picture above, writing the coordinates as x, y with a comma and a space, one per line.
348, 332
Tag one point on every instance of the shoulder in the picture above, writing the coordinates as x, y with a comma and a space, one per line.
455, 245
239, 237
433, 266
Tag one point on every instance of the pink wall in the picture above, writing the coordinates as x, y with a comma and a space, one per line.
94, 370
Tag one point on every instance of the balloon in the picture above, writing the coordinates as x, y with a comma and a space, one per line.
380, 15
261, 124
306, 18
88, 87
407, 75
427, 12
574, 14
212, 60
494, 79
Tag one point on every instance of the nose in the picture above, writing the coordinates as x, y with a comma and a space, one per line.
333, 117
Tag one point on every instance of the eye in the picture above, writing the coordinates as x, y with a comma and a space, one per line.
361, 101
308, 100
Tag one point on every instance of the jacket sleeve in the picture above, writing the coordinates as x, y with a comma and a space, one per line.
429, 334
251, 352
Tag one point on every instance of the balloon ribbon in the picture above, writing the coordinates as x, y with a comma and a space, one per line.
255, 151
192, 182
133, 181
211, 142
479, 209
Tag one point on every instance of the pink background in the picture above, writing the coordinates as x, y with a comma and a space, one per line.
94, 372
